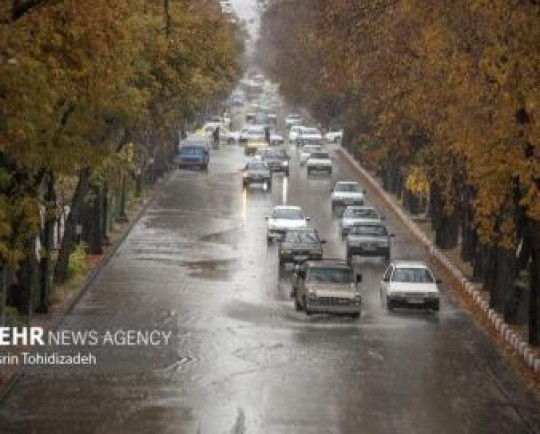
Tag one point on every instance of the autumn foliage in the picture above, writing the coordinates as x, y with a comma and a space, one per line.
439, 98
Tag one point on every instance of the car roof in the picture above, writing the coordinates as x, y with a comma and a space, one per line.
360, 207
400, 263
287, 207
346, 182
334, 263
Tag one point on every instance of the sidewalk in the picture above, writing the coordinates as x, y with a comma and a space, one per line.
471, 295
68, 295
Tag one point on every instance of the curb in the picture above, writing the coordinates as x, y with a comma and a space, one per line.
18, 375
512, 340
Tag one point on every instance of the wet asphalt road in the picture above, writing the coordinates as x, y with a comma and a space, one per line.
243, 360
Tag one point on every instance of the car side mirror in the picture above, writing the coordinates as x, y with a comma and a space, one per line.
385, 279
438, 281
364, 191
358, 278
266, 217
392, 235
383, 217
331, 191
322, 241
308, 218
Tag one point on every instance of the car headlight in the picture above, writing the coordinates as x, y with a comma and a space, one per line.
315, 251
286, 252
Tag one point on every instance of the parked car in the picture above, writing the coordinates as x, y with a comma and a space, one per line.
319, 162
326, 286
285, 218
358, 214
346, 193
368, 239
194, 152
334, 136
276, 159
410, 283
300, 245
257, 172
306, 152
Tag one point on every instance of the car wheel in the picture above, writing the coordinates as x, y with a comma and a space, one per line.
349, 258
231, 142
355, 315
309, 171
389, 305
436, 307
269, 240
287, 172
387, 257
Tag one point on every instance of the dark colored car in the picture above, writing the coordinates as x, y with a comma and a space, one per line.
257, 172
276, 159
368, 239
300, 245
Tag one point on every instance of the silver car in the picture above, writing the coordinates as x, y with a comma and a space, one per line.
358, 214
326, 286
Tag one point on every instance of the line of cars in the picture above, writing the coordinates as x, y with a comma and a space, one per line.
327, 285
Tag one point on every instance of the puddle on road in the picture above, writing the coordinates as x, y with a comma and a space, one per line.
229, 236
211, 269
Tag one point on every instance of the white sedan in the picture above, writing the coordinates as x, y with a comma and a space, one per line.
306, 152
285, 218
409, 283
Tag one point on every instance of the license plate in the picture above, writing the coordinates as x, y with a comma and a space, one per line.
348, 202
369, 247
300, 258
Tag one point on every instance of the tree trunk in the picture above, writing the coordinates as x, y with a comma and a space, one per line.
26, 277
468, 232
105, 214
446, 233
533, 234
47, 243
95, 246
70, 236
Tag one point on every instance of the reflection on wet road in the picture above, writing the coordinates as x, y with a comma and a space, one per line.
244, 360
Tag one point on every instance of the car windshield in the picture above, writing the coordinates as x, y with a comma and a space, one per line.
302, 237
364, 213
191, 150
329, 275
310, 131
287, 213
256, 165
412, 275
320, 155
256, 130
311, 148
375, 230
348, 186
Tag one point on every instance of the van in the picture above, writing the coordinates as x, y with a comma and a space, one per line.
194, 152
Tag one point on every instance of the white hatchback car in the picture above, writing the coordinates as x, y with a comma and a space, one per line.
410, 283
285, 218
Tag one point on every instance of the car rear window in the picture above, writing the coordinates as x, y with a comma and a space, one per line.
302, 237
367, 213
320, 155
375, 230
412, 275
288, 213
